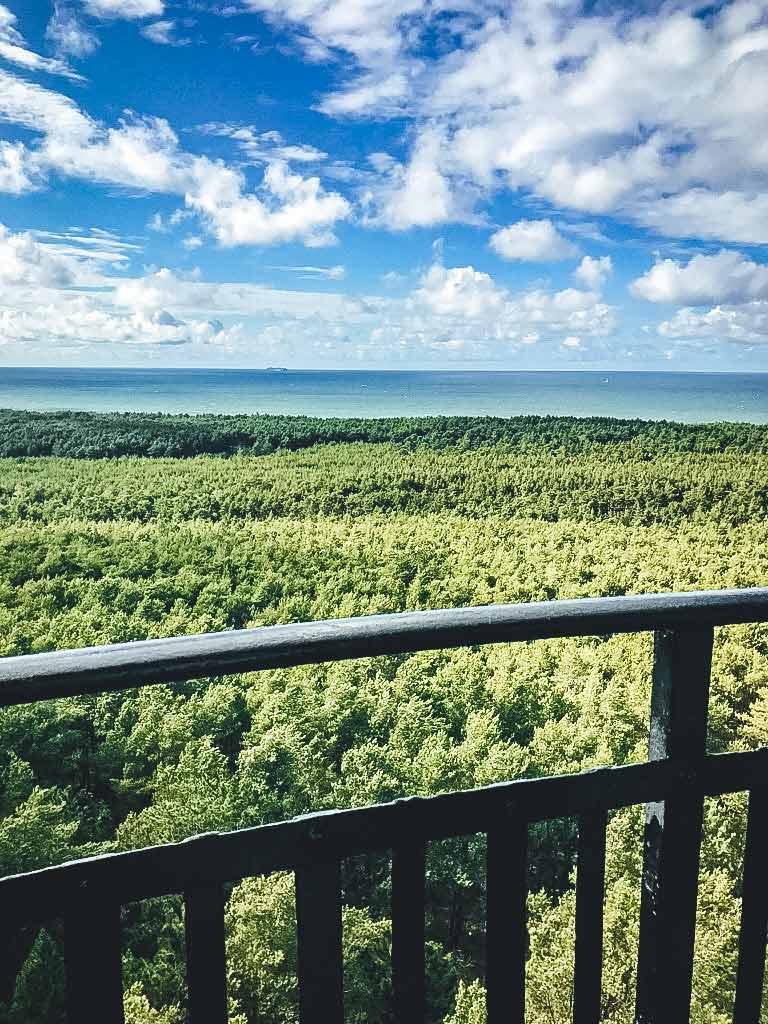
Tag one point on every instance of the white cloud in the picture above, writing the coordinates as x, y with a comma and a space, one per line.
128, 9
88, 249
41, 110
68, 35
724, 277
14, 49
594, 271
42, 299
657, 116
162, 33
534, 241
386, 92
23, 261
265, 147
572, 342
15, 171
55, 289
746, 323
144, 153
461, 290
83, 321
289, 207
336, 273
371, 30
187, 296
140, 153
466, 302
462, 314
731, 216
418, 194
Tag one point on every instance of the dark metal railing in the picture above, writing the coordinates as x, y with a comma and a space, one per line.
88, 894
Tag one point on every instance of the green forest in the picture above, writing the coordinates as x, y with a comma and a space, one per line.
123, 527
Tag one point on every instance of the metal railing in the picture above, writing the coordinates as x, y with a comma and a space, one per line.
88, 894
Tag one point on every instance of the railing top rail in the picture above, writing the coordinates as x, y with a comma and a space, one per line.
282, 846
122, 666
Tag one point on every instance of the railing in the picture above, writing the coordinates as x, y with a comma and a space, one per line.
88, 894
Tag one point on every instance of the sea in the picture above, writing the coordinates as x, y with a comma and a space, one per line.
688, 397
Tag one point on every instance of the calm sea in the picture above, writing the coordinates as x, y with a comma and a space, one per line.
692, 397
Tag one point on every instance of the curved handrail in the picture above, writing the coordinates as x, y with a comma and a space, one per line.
145, 662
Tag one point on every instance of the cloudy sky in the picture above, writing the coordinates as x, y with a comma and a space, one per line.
384, 183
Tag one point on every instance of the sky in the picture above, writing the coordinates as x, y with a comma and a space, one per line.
384, 184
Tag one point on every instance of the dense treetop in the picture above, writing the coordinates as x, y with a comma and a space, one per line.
88, 435
111, 549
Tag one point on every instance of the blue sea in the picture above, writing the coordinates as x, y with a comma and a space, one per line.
691, 397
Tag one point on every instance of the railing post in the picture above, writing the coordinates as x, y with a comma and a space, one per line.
679, 704
754, 913
408, 935
590, 894
506, 931
204, 907
93, 960
318, 932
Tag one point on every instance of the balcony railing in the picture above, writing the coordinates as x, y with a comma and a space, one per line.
679, 774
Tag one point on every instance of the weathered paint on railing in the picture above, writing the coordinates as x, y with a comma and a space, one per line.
85, 670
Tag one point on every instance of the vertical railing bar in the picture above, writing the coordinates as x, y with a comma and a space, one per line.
590, 891
506, 934
408, 936
679, 705
93, 961
319, 950
754, 913
206, 954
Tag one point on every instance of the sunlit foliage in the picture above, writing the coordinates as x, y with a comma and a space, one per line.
94, 551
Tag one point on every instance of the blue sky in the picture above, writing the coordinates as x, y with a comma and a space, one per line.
383, 183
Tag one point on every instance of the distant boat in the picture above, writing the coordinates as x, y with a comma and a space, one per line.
276, 369
605, 381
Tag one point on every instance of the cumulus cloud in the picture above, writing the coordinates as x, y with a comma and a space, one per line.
57, 289
462, 290
594, 271
46, 297
144, 153
725, 277
460, 313
289, 207
372, 30
418, 194
83, 321
732, 216
533, 241
746, 323
474, 302
654, 115
24, 261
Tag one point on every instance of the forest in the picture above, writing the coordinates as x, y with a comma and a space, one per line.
107, 534
88, 435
